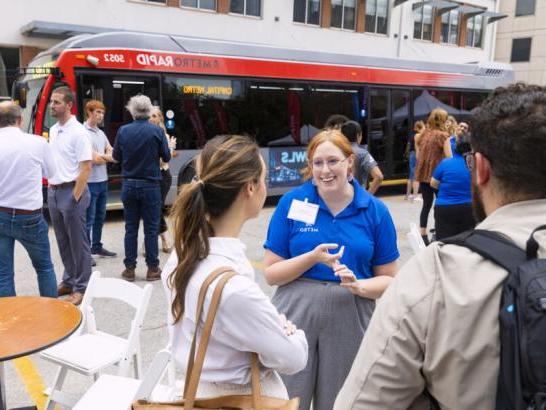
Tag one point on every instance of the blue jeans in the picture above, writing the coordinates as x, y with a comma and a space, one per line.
32, 232
96, 213
141, 200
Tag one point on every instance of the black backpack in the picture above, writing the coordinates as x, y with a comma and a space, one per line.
522, 318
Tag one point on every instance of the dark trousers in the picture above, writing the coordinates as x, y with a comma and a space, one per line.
166, 182
453, 219
68, 219
428, 194
96, 213
141, 200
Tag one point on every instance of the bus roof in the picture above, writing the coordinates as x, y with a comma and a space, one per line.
193, 45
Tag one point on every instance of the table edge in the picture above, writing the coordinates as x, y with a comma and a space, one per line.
39, 349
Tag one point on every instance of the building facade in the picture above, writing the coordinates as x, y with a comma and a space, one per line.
423, 30
521, 39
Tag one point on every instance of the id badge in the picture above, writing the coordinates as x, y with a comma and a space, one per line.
303, 211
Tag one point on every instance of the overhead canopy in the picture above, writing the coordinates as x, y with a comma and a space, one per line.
470, 11
49, 29
493, 16
424, 104
442, 6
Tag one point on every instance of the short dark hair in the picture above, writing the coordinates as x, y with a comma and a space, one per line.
463, 143
351, 130
509, 129
66, 92
336, 121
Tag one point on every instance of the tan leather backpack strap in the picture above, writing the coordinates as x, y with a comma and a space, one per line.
199, 311
195, 375
255, 378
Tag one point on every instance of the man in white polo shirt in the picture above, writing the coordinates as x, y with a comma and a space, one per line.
24, 160
68, 196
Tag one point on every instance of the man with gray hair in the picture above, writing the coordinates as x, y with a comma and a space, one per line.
24, 160
138, 147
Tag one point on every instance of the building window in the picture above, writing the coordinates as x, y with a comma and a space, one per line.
450, 27
246, 7
9, 64
525, 8
343, 14
156, 1
307, 11
474, 31
422, 22
377, 14
199, 4
521, 50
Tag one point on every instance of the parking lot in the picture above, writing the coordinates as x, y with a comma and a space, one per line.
27, 377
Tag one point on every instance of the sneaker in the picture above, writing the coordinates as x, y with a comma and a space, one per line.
128, 274
93, 262
154, 273
105, 253
75, 298
63, 290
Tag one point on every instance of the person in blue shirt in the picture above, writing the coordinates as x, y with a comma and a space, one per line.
331, 249
453, 209
138, 147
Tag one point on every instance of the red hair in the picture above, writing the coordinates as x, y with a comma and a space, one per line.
93, 105
330, 135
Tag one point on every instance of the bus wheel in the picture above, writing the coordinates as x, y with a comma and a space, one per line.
186, 174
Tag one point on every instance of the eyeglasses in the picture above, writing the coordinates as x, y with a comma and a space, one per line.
469, 159
331, 163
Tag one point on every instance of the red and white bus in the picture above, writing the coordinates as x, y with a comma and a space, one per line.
281, 97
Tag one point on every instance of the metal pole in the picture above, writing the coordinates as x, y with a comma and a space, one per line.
400, 35
3, 405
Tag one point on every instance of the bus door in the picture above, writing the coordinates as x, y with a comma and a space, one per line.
389, 121
115, 90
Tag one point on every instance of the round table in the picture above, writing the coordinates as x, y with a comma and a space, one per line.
29, 324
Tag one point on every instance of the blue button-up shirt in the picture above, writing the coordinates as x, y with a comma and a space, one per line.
364, 227
139, 146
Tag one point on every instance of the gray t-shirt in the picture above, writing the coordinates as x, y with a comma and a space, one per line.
364, 163
99, 142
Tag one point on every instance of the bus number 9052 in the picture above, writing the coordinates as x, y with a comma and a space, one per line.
114, 58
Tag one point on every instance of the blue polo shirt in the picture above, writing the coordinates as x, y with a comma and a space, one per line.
365, 227
454, 178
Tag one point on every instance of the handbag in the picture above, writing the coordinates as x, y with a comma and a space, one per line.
255, 401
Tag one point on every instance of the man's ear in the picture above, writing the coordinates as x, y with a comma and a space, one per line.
483, 169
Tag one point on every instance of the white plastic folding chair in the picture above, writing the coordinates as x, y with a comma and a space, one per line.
91, 350
111, 392
415, 239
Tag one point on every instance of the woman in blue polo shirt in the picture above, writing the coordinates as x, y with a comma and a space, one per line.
331, 249
453, 210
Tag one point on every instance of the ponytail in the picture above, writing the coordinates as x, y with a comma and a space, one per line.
191, 240
225, 165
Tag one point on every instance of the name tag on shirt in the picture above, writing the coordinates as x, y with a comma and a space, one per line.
303, 211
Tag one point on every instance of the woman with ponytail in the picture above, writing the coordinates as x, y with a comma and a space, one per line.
229, 189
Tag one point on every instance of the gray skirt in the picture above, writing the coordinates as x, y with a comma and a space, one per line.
334, 321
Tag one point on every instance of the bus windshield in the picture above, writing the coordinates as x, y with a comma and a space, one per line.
32, 89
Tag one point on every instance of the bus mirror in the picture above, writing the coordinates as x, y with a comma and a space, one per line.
20, 90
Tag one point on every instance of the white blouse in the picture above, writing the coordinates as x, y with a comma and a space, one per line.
246, 321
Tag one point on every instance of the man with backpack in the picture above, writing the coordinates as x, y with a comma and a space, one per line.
455, 329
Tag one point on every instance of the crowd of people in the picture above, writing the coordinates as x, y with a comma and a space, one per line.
346, 328
75, 165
